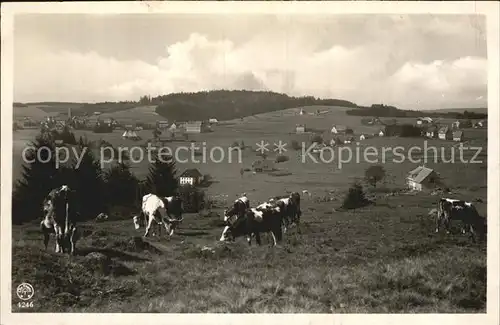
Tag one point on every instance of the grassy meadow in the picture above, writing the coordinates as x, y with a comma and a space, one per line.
381, 258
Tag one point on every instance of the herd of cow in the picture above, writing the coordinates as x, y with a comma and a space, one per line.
275, 216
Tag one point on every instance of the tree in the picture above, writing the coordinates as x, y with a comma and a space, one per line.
355, 198
374, 174
87, 180
161, 179
120, 185
39, 176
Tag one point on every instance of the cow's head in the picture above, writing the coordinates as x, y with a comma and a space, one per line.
230, 213
227, 234
138, 221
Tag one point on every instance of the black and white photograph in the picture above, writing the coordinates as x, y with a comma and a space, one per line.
250, 158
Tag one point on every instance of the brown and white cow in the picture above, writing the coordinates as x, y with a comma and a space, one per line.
59, 218
452, 209
237, 210
290, 209
255, 222
160, 210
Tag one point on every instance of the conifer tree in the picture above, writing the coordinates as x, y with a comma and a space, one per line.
162, 179
121, 185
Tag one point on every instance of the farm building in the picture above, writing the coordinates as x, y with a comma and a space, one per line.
431, 132
339, 129
349, 140
422, 178
381, 133
301, 112
424, 120
362, 137
213, 121
444, 133
300, 128
191, 176
455, 125
130, 134
263, 165
162, 124
196, 127
458, 136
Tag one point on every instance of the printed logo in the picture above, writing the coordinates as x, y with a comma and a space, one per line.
25, 291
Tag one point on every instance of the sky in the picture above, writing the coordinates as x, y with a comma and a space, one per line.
410, 61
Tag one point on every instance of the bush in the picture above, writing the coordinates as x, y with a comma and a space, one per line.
193, 199
281, 158
355, 198
317, 138
296, 145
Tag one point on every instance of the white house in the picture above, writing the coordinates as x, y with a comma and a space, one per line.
381, 133
213, 121
422, 178
191, 177
300, 128
362, 137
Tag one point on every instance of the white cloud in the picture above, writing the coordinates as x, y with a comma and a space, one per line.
366, 73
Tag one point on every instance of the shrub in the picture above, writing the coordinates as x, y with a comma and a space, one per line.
355, 197
281, 158
161, 179
296, 145
317, 138
193, 199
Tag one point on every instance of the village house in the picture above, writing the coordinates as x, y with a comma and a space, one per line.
194, 127
458, 136
455, 125
444, 133
424, 120
162, 124
191, 176
362, 137
381, 133
213, 121
336, 129
300, 128
431, 132
263, 165
422, 178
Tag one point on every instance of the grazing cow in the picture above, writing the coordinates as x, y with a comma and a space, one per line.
159, 209
238, 209
59, 219
451, 209
290, 209
254, 222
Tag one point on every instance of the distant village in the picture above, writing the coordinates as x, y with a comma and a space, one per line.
162, 130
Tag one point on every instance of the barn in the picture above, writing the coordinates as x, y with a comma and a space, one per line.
422, 178
339, 129
300, 128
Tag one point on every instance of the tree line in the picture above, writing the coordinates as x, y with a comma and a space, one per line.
98, 190
381, 110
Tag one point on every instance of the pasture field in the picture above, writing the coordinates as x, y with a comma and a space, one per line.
381, 258
384, 258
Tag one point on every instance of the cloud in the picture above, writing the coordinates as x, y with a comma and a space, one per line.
373, 71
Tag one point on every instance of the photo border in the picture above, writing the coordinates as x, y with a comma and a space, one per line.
489, 9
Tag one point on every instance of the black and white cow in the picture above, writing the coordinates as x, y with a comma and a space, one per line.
290, 209
452, 209
255, 222
237, 210
59, 208
160, 210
